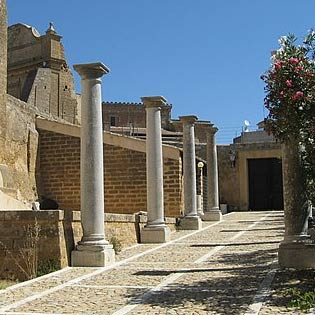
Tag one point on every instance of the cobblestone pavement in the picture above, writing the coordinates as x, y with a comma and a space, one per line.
225, 268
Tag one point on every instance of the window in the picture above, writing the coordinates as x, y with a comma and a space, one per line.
114, 120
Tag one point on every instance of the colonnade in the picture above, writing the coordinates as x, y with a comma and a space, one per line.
93, 249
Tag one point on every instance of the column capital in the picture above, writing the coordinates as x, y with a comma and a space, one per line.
153, 101
91, 70
190, 119
211, 130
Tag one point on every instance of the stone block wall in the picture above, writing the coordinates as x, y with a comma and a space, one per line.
58, 170
50, 92
19, 152
18, 232
134, 113
125, 176
18, 137
125, 180
58, 232
38, 72
173, 187
3, 69
233, 181
229, 183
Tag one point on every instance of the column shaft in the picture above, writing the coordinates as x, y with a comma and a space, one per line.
212, 174
92, 182
93, 250
296, 250
295, 201
200, 189
154, 162
213, 212
155, 231
190, 189
191, 219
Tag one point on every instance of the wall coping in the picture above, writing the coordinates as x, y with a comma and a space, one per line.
123, 218
25, 215
75, 216
123, 141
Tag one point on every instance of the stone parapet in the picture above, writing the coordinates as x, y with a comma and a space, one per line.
58, 232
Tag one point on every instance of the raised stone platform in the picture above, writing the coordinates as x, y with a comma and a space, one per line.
155, 234
213, 215
190, 223
89, 258
297, 255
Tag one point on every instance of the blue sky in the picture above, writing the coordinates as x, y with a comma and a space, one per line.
204, 56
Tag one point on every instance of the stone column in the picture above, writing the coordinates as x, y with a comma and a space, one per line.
213, 212
155, 231
295, 251
93, 250
200, 189
191, 219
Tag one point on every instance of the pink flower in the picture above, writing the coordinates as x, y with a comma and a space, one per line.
293, 61
297, 95
278, 65
281, 94
298, 69
288, 83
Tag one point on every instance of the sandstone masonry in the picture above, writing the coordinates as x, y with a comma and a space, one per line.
38, 72
125, 175
3, 70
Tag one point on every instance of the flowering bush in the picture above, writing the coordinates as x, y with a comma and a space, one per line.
290, 99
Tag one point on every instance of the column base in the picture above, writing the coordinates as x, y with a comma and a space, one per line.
91, 258
297, 255
155, 234
190, 223
212, 215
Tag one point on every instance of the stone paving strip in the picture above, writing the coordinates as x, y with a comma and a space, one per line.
225, 268
12, 300
204, 292
35, 286
149, 296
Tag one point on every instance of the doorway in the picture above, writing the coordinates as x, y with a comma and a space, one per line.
265, 184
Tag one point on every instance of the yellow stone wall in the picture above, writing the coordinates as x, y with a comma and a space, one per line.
3, 71
233, 181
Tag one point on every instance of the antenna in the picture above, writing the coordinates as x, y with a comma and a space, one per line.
247, 124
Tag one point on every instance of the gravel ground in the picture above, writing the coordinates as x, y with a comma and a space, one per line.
221, 269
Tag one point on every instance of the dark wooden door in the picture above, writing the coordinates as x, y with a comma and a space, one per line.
265, 184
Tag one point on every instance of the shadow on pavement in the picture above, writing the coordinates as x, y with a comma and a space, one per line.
226, 289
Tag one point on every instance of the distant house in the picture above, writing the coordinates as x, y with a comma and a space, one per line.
250, 172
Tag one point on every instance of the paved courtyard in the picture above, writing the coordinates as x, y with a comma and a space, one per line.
228, 267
